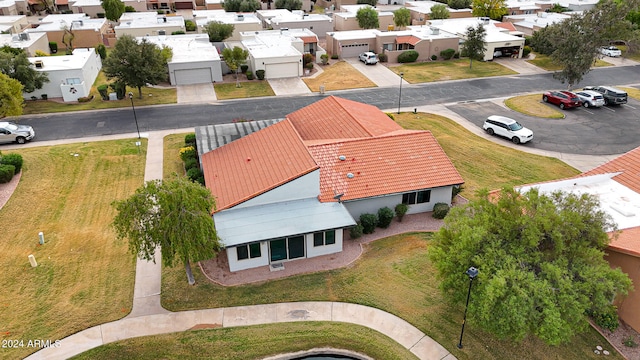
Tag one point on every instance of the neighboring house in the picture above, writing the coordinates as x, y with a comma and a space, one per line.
287, 191
421, 10
148, 23
213, 4
87, 32
195, 60
346, 20
427, 41
526, 7
528, 24
169, 5
70, 76
279, 52
616, 184
278, 19
307, 5
578, 5
12, 8
30, 43
94, 7
13, 24
242, 22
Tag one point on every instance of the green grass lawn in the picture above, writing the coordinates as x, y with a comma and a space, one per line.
84, 276
450, 70
534, 106
249, 89
545, 62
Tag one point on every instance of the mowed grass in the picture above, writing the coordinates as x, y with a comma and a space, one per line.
339, 76
228, 91
545, 62
534, 106
632, 92
254, 342
395, 275
84, 276
450, 70
171, 155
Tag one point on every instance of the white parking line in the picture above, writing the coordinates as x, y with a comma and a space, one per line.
585, 110
627, 105
608, 108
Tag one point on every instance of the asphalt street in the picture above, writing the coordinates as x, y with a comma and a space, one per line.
119, 121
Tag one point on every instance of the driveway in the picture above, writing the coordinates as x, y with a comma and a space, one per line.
289, 86
379, 74
196, 93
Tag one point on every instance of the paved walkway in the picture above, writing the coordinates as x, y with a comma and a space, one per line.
196, 93
289, 86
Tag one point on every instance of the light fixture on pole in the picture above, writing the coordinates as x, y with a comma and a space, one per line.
472, 272
134, 113
400, 94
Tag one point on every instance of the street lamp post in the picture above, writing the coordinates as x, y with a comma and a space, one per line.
134, 113
400, 94
472, 272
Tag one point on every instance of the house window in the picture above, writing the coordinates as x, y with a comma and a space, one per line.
418, 197
324, 238
388, 47
73, 81
249, 251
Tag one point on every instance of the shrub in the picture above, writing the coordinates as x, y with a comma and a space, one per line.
391, 116
130, 9
334, 56
434, 57
190, 139
40, 53
85, 99
103, 90
526, 51
190, 25
383, 57
100, 15
385, 216
447, 54
440, 210
456, 55
630, 342
102, 51
119, 88
260, 74
368, 222
309, 66
307, 58
12, 159
44, 96
244, 68
607, 319
188, 152
324, 58
53, 47
456, 190
401, 210
160, 12
190, 164
527, 41
249, 75
356, 231
194, 174
6, 173
34, 98
408, 56
179, 32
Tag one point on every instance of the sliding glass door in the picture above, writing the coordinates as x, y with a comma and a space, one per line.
287, 248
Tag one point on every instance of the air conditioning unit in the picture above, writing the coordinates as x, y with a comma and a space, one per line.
23, 36
239, 17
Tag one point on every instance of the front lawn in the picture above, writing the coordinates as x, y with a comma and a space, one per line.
450, 70
545, 62
84, 276
338, 76
534, 106
226, 91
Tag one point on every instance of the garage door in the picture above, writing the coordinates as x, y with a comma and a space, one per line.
193, 76
283, 70
353, 50
183, 5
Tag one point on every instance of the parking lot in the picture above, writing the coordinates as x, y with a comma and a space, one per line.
593, 131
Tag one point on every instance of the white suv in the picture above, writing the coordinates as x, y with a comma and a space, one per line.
368, 58
509, 128
610, 51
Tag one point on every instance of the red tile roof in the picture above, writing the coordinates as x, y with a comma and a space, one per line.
255, 164
506, 25
409, 160
308, 39
627, 241
337, 118
629, 166
407, 39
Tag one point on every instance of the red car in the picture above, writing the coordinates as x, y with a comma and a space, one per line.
564, 99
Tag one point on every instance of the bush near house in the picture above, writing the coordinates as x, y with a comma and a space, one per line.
196, 175
385, 216
526, 51
190, 164
6, 173
103, 91
53, 47
190, 139
408, 56
249, 75
440, 210
334, 56
130, 9
179, 32
368, 222
12, 159
40, 53
244, 68
383, 57
401, 210
356, 231
190, 25
434, 57
102, 51
447, 54
260, 74
324, 58
188, 152
607, 320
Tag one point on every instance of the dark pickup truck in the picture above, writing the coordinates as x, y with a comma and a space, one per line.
612, 96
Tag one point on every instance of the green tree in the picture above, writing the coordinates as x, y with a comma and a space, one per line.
219, 31
439, 11
541, 42
459, 4
113, 9
15, 64
368, 2
473, 44
557, 8
11, 101
493, 9
402, 18
367, 18
241, 5
289, 4
541, 262
174, 215
135, 64
234, 59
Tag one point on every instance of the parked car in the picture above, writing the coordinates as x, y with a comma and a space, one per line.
368, 58
610, 51
564, 99
612, 96
507, 127
12, 132
590, 98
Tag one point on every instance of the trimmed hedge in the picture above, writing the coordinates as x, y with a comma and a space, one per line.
356, 231
190, 164
401, 210
440, 210
190, 139
383, 57
104, 91
249, 75
368, 222
260, 74
526, 51
6, 173
195, 175
447, 54
12, 159
244, 68
385, 216
188, 152
408, 56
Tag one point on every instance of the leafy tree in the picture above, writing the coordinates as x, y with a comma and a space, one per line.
459, 4
368, 2
174, 215
10, 96
289, 4
241, 5
15, 64
135, 64
219, 31
575, 49
540, 41
557, 8
401, 17
493, 9
439, 11
540, 259
113, 9
473, 44
367, 18
234, 59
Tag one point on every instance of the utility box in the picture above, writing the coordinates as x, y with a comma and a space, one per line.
113, 96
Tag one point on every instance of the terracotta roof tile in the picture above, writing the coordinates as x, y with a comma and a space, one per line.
506, 25
629, 166
628, 241
337, 118
256, 163
383, 165
407, 39
308, 39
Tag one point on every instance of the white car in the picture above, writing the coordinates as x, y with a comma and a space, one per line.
11, 132
590, 98
509, 128
610, 51
368, 58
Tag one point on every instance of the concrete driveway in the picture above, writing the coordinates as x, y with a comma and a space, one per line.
379, 74
289, 86
196, 93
